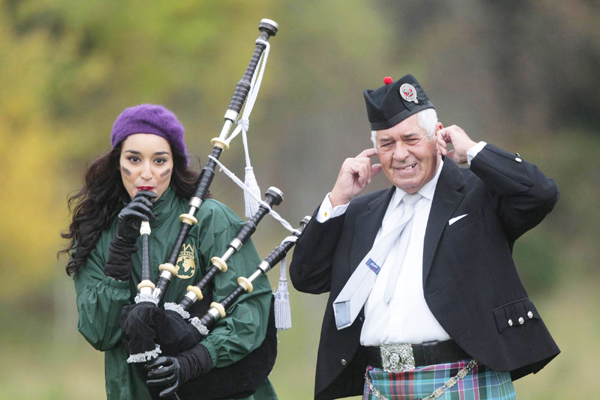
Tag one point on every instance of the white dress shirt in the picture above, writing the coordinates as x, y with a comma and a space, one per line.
407, 318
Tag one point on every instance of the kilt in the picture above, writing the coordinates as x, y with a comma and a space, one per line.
481, 383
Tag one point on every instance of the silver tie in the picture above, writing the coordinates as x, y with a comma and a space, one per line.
356, 291
401, 246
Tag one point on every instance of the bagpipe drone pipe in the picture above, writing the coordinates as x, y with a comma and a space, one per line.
267, 28
151, 328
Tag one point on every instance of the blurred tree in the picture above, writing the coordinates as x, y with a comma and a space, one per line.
68, 68
28, 211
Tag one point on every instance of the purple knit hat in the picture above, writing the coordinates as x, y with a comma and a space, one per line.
149, 118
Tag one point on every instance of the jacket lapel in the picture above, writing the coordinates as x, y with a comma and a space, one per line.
446, 199
366, 227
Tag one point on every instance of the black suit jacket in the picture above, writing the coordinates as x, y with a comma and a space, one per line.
470, 281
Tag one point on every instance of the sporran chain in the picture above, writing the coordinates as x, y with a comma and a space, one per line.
436, 393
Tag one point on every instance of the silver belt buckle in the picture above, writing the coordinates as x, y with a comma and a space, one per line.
397, 357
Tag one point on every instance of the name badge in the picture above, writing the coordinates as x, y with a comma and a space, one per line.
373, 265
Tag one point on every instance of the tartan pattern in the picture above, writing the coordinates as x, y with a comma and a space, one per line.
481, 383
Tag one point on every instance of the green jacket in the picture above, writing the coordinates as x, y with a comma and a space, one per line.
100, 299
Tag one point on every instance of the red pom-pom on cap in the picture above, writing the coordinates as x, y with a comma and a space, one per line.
387, 80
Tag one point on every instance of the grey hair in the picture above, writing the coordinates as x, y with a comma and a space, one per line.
427, 121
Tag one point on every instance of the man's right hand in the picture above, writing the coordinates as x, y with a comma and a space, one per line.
356, 173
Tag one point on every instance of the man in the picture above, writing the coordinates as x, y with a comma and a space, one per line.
423, 288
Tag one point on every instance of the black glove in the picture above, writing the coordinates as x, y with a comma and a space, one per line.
131, 216
175, 371
118, 265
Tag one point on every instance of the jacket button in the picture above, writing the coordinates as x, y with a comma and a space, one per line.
530, 314
521, 320
510, 323
518, 159
343, 362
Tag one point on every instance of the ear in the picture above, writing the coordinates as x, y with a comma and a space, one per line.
438, 126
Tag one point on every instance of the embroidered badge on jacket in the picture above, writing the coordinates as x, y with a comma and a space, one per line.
185, 263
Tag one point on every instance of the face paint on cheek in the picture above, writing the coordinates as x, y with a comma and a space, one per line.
126, 171
167, 172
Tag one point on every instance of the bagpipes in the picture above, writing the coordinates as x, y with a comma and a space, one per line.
149, 329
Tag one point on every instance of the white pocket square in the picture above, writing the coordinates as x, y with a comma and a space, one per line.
453, 220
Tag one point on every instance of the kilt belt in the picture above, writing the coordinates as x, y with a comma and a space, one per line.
405, 357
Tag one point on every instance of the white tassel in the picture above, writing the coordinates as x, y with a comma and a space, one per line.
283, 314
251, 204
250, 179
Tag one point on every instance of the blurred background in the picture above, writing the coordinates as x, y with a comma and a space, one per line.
521, 75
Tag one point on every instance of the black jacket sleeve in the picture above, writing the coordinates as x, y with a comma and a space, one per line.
524, 195
310, 270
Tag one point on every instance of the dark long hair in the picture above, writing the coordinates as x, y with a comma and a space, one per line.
102, 197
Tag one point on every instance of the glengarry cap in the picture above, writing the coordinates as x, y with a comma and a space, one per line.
395, 101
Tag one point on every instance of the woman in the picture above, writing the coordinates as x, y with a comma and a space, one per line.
146, 177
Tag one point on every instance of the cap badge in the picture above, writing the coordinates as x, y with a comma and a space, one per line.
409, 93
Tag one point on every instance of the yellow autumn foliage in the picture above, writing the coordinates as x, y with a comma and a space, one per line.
29, 185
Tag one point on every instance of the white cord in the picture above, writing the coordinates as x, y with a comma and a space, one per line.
251, 206
272, 212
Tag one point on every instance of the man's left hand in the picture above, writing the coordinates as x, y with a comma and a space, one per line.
459, 140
